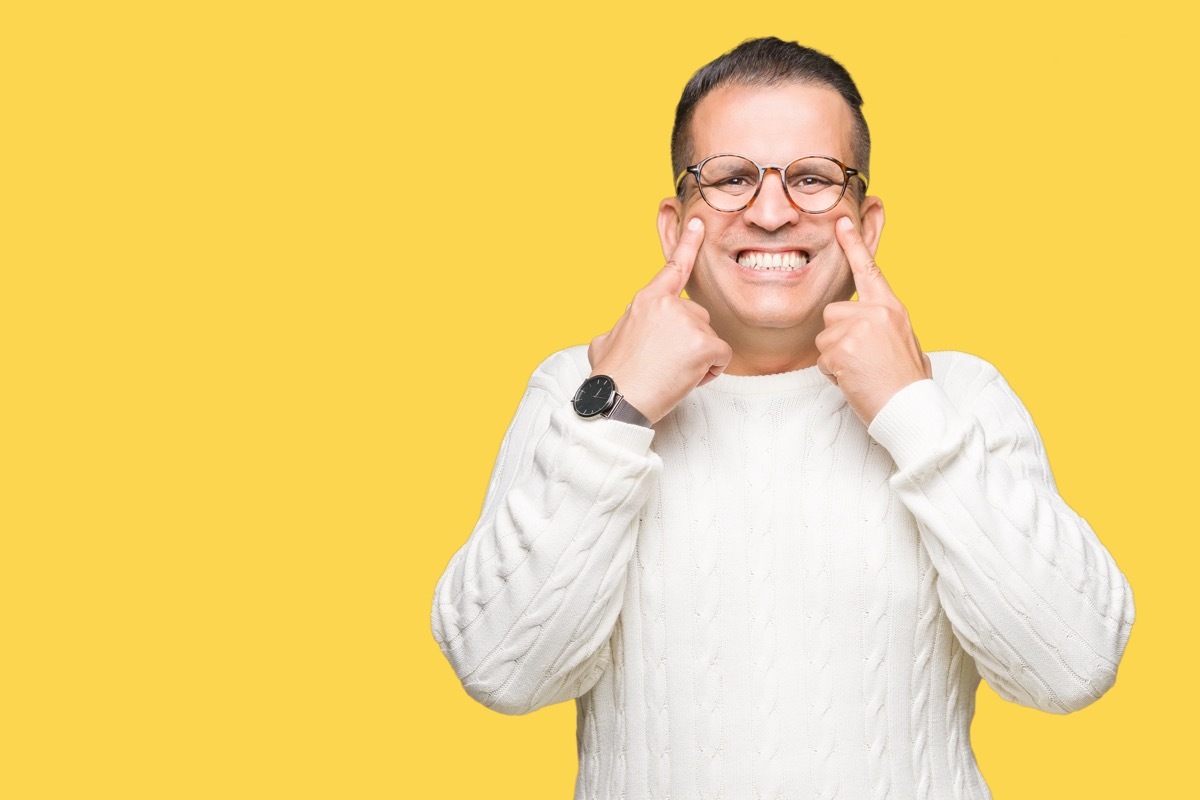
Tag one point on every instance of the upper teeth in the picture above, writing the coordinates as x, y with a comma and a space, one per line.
793, 259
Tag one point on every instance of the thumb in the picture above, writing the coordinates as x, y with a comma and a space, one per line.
673, 277
868, 280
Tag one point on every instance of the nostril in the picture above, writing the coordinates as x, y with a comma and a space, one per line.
780, 200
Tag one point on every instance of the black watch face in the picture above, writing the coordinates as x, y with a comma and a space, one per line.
594, 396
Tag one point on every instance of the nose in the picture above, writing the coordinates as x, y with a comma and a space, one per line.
772, 209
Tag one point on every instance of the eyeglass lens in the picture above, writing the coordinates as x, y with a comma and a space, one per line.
728, 183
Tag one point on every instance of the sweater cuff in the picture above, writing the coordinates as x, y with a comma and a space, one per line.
914, 423
634, 439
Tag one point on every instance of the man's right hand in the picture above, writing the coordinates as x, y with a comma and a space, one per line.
662, 347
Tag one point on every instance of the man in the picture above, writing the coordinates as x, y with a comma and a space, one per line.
767, 543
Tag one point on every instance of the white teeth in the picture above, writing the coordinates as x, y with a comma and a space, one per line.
791, 260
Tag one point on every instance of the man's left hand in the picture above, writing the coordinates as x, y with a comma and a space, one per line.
868, 347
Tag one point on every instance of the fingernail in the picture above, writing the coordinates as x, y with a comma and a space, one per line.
846, 224
694, 224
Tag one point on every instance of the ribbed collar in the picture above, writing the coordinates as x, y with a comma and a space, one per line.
779, 383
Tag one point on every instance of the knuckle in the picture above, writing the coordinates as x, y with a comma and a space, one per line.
699, 310
869, 267
642, 299
718, 351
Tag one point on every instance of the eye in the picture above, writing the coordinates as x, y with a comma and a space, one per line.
729, 174
810, 182
736, 184
735, 180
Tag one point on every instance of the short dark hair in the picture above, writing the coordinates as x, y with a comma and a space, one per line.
769, 62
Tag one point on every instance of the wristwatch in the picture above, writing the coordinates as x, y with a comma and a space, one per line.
598, 396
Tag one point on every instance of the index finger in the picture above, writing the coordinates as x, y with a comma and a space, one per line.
674, 275
868, 280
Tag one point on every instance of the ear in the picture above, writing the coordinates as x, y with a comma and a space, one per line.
670, 224
870, 212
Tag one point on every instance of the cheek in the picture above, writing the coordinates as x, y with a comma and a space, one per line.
711, 254
843, 283
705, 281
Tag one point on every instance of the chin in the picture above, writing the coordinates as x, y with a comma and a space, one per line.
776, 316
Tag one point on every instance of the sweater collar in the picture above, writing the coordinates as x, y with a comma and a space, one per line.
782, 382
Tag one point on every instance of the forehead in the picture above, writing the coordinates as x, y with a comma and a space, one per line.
773, 124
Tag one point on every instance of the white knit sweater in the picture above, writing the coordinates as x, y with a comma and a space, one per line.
762, 598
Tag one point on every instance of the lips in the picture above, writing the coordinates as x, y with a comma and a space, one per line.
782, 261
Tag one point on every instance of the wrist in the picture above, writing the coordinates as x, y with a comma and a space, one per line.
599, 396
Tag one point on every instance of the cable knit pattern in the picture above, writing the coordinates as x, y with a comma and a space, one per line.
706, 548
759, 461
761, 598
924, 639
961, 679
652, 616
819, 466
875, 545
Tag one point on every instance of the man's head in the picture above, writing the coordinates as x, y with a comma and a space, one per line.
764, 63
766, 272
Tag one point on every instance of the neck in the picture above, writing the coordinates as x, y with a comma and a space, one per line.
770, 351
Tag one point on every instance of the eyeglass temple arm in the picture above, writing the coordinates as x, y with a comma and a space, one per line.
695, 170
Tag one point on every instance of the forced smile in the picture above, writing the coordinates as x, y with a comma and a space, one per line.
784, 261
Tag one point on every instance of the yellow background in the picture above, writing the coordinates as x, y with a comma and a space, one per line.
269, 304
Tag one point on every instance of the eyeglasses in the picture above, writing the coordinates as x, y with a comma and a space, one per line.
813, 184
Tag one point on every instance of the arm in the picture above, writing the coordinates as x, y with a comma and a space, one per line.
524, 610
1031, 593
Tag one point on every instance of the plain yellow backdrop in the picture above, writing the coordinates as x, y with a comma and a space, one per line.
275, 274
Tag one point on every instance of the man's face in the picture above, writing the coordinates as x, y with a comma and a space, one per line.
771, 126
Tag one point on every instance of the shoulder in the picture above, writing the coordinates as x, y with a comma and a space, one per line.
977, 388
962, 376
561, 373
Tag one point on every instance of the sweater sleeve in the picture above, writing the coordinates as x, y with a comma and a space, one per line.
1030, 592
525, 609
